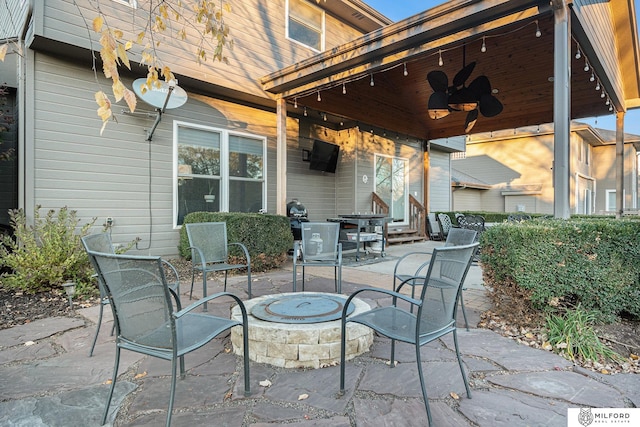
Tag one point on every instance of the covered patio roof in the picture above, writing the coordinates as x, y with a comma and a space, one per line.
364, 82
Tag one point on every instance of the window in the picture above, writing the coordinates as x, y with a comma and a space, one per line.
305, 24
391, 184
610, 202
217, 171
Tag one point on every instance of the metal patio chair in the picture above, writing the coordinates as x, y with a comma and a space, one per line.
210, 253
435, 316
445, 224
101, 242
433, 227
320, 248
150, 320
455, 237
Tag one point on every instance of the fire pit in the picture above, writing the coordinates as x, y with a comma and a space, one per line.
300, 330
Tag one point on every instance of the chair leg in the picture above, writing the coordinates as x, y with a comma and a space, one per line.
182, 374
245, 344
393, 353
464, 376
343, 344
113, 385
464, 312
95, 338
173, 391
339, 280
422, 385
226, 272
249, 279
295, 276
303, 278
204, 289
193, 276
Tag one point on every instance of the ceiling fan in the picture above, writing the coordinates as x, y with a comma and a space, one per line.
477, 97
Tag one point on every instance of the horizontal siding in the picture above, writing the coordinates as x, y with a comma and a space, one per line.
467, 200
13, 15
439, 181
257, 29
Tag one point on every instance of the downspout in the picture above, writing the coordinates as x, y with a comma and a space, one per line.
281, 156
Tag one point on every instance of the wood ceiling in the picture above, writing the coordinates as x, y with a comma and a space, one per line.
518, 64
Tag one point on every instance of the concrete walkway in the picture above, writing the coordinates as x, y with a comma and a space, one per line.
46, 378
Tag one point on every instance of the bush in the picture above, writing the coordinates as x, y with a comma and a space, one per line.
267, 237
44, 256
545, 266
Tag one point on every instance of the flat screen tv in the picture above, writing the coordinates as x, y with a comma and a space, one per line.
324, 156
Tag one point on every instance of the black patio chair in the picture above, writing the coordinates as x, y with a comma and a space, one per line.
435, 316
101, 242
320, 248
210, 253
455, 237
150, 320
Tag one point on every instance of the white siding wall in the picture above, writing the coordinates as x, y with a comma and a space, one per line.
439, 181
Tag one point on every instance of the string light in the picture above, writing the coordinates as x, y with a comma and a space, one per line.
324, 117
440, 61
372, 82
344, 89
538, 32
608, 102
592, 78
586, 65
319, 99
598, 85
578, 54
295, 102
483, 49
406, 73
305, 111
602, 95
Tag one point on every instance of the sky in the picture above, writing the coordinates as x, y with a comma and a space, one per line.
400, 9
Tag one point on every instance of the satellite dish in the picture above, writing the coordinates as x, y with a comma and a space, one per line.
165, 96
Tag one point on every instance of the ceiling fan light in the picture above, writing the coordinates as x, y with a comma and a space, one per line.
438, 105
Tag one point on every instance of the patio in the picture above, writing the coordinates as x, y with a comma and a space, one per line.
47, 379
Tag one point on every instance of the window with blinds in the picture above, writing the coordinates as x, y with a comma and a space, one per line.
217, 171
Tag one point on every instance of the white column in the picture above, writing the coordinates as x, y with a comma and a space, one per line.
281, 153
561, 109
619, 164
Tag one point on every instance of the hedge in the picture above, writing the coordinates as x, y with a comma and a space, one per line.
545, 264
267, 237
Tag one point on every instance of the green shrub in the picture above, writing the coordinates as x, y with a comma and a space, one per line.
572, 335
548, 265
267, 237
47, 254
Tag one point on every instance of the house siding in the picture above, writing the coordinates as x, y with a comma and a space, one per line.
439, 181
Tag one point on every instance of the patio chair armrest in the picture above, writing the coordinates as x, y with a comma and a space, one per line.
174, 272
393, 294
407, 280
244, 249
191, 307
200, 255
404, 257
176, 298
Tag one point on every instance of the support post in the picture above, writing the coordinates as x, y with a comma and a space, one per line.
561, 109
281, 159
619, 164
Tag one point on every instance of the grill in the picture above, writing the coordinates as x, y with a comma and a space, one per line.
297, 214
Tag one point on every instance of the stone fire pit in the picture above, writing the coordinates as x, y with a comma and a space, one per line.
300, 339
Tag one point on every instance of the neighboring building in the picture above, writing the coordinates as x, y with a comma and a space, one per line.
511, 171
221, 142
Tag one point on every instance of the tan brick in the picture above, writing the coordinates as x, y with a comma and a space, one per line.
278, 362
329, 335
310, 364
296, 336
313, 352
280, 350
257, 348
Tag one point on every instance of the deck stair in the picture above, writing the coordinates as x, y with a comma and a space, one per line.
413, 232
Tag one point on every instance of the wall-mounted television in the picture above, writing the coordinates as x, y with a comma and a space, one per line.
324, 156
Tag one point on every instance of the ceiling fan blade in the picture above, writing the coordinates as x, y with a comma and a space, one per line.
480, 86
490, 106
463, 75
463, 100
438, 80
438, 105
472, 118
